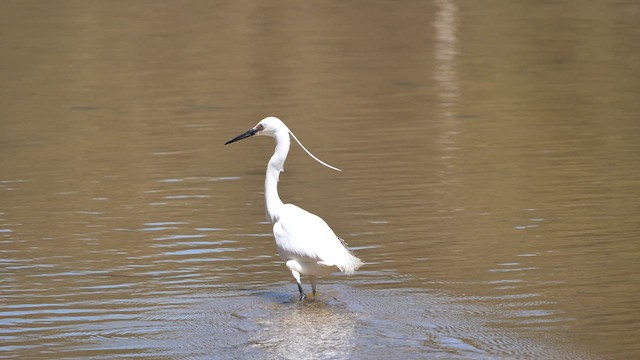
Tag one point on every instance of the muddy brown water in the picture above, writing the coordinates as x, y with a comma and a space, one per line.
491, 178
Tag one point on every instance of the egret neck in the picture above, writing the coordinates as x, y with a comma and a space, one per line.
275, 166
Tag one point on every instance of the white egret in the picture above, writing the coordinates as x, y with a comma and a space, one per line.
303, 240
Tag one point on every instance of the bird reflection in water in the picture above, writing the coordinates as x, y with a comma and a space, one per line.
312, 330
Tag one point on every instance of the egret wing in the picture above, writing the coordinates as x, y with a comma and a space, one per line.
304, 236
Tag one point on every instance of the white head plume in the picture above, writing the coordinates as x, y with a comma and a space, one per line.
310, 154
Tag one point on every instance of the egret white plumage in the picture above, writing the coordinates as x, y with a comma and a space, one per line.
303, 240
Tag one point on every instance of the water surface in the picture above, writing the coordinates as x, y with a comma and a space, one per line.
491, 179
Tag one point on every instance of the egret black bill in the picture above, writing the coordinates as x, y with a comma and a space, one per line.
244, 135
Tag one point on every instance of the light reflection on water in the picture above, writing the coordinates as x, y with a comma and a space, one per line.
258, 323
196, 297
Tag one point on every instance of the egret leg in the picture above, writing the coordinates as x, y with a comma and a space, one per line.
296, 275
302, 295
313, 284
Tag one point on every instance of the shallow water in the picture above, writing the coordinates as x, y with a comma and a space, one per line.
491, 179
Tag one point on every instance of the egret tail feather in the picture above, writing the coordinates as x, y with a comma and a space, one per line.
351, 265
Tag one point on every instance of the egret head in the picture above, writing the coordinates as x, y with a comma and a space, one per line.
272, 126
